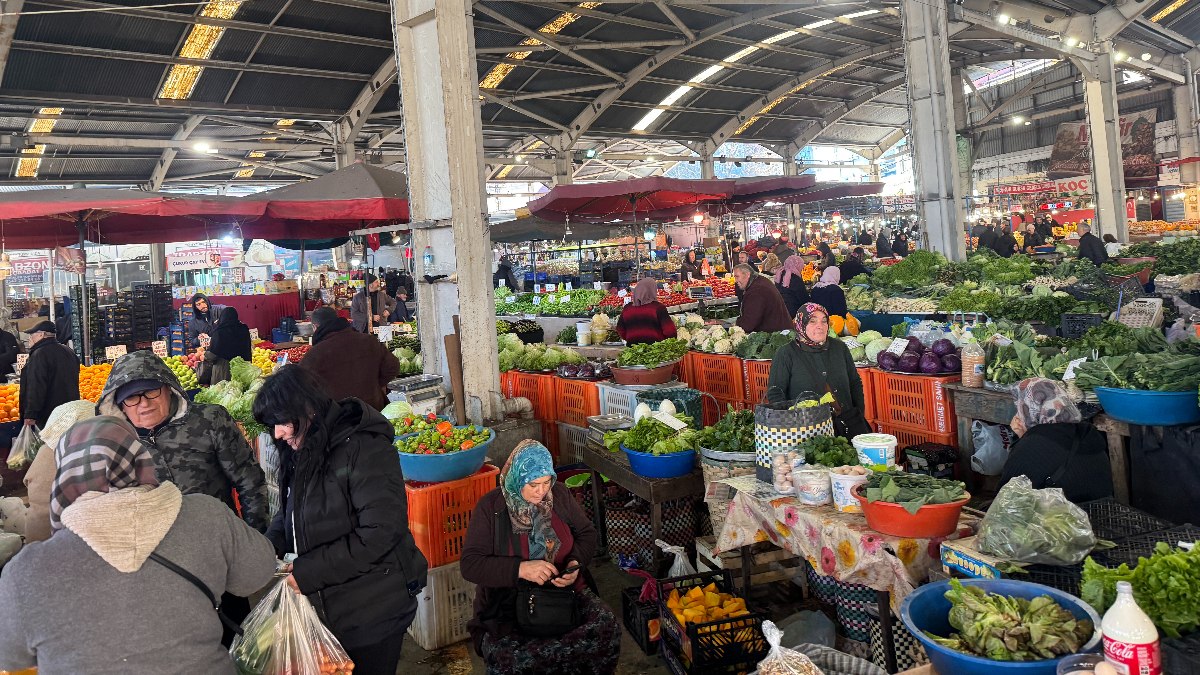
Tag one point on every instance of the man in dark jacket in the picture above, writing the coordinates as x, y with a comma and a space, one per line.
204, 319
763, 308
50, 377
370, 306
196, 446
1090, 246
853, 266
1006, 244
986, 237
784, 248
349, 363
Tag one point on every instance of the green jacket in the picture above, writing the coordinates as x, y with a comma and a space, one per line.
797, 369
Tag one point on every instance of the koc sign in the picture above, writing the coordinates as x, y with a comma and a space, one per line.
1079, 184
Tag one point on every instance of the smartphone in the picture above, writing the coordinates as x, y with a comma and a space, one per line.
570, 570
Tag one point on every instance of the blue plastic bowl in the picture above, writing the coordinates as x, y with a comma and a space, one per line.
672, 465
927, 609
442, 468
1151, 408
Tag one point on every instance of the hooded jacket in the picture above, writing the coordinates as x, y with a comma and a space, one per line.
365, 376
344, 512
1046, 448
88, 600
202, 322
49, 379
231, 337
199, 448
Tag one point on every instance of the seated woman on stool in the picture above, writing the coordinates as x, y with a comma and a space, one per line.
531, 529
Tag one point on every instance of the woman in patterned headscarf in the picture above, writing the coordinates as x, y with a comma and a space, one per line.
1057, 448
10, 346
531, 530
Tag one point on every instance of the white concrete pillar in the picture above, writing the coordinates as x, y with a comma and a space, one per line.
1104, 135
932, 137
708, 168
158, 263
435, 50
564, 169
873, 172
1184, 100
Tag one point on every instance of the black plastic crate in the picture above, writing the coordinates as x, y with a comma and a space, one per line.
1130, 549
724, 642
932, 459
637, 617
1065, 579
677, 663
1181, 655
1073, 326
1114, 521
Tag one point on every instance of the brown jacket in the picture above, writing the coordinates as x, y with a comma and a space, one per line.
763, 308
482, 565
39, 480
353, 364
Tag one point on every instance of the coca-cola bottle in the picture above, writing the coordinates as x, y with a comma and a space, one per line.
1130, 638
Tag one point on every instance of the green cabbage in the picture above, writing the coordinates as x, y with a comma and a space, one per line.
868, 336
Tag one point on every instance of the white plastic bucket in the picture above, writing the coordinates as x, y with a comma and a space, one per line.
812, 486
875, 450
843, 491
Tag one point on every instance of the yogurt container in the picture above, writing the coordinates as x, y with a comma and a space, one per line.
876, 450
812, 486
843, 491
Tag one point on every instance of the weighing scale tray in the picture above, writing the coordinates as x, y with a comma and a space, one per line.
415, 382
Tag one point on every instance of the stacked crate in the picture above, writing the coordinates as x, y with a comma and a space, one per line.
94, 329
118, 320
915, 409
152, 311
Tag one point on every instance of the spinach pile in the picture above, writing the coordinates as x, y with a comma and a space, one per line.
1166, 586
763, 346
912, 491
1176, 258
830, 451
918, 270
1164, 371
1003, 628
653, 436
1035, 526
732, 433
653, 354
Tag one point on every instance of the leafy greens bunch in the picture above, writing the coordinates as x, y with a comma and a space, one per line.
732, 433
1166, 586
651, 435
912, 491
829, 451
653, 354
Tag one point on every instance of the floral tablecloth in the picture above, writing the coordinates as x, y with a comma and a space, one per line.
836, 544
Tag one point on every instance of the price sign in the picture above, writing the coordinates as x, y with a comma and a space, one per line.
851, 342
596, 285
510, 299
504, 283
1000, 340
537, 300
159, 348
627, 300
898, 346
254, 335
537, 288
384, 333
567, 286
22, 359
115, 352
205, 341
670, 420
622, 293
564, 299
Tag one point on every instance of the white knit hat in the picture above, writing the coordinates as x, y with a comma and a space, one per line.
64, 417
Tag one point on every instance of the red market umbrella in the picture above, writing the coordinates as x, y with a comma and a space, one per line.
654, 197
748, 192
356, 193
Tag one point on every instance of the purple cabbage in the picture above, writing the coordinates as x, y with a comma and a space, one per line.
568, 370
915, 346
951, 363
943, 347
930, 363
909, 363
888, 360
587, 370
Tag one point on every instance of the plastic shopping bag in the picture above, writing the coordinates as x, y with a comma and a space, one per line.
24, 448
284, 636
781, 660
1035, 526
992, 443
681, 566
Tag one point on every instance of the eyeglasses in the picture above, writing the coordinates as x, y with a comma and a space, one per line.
136, 399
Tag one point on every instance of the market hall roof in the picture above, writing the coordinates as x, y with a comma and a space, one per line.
231, 92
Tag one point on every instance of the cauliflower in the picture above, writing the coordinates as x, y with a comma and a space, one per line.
683, 334
693, 319
737, 331
723, 347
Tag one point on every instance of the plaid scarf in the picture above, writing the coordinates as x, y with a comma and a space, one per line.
100, 454
529, 462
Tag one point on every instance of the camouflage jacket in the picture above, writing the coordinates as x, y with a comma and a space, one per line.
200, 448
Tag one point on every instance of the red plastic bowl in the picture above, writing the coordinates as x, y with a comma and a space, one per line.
931, 520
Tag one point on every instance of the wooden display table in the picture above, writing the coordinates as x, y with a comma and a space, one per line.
615, 467
998, 408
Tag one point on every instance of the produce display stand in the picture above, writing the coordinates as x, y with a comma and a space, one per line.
615, 467
256, 311
998, 408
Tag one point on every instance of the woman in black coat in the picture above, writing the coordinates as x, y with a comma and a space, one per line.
9, 345
883, 245
231, 337
344, 512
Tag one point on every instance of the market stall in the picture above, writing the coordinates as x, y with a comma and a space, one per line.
263, 312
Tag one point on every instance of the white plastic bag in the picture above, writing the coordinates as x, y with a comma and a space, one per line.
25, 447
992, 443
284, 636
781, 660
681, 566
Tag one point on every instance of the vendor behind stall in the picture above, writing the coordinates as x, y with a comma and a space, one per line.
691, 268
814, 363
763, 308
853, 265
1057, 449
645, 319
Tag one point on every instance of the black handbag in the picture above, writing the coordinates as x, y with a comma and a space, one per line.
538, 611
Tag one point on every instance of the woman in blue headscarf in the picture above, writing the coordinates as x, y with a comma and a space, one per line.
531, 530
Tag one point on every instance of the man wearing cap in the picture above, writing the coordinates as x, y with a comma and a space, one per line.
370, 306
350, 363
196, 446
50, 377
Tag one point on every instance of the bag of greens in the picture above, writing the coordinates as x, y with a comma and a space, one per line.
1025, 525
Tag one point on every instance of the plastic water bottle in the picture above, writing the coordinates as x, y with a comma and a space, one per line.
1130, 638
427, 259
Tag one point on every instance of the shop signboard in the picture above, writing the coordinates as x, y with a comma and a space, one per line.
899, 203
1071, 155
1077, 184
28, 270
69, 260
195, 259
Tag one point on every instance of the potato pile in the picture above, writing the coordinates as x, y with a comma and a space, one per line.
701, 605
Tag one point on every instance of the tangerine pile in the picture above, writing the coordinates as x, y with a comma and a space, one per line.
10, 403
92, 380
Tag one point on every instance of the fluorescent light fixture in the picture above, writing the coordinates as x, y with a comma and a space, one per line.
1119, 56
707, 73
1071, 42
1003, 19
1027, 122
1146, 56
818, 24
779, 36
739, 55
201, 146
859, 14
1018, 119
675, 95
648, 119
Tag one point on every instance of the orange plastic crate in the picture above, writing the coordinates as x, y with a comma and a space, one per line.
867, 374
910, 437
575, 401
686, 370
438, 513
714, 410
720, 375
539, 389
915, 402
756, 375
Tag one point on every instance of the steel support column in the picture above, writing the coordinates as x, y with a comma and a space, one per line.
1184, 100
708, 167
435, 50
935, 150
1104, 136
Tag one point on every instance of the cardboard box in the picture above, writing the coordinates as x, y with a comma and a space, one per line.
285, 286
963, 557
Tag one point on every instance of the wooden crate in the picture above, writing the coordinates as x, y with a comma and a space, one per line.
771, 563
